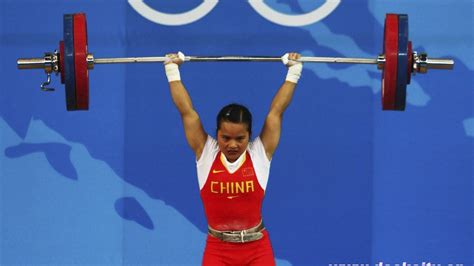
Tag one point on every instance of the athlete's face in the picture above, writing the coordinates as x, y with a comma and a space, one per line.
233, 139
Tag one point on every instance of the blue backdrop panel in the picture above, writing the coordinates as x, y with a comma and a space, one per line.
348, 184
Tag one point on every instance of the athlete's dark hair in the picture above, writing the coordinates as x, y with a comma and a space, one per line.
235, 113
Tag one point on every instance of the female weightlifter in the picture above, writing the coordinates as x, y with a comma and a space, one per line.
232, 170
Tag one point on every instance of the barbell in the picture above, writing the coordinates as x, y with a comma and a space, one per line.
73, 61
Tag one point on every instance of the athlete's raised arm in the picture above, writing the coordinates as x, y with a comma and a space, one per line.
195, 134
271, 130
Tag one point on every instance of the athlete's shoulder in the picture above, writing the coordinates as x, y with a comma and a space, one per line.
255, 144
209, 151
257, 150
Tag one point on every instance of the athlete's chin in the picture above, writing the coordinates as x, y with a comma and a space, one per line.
232, 155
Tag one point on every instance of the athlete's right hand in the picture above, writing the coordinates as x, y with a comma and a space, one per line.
177, 58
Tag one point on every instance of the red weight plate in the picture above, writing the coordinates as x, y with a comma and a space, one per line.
410, 61
61, 60
389, 75
80, 61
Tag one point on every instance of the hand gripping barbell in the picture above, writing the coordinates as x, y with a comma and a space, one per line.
398, 62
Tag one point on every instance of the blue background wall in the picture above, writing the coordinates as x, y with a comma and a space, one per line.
349, 183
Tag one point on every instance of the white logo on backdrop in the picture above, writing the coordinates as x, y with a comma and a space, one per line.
294, 20
173, 19
258, 5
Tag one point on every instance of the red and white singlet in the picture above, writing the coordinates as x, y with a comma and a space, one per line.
232, 193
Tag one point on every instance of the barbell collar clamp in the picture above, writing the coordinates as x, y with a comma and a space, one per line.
380, 61
90, 61
49, 62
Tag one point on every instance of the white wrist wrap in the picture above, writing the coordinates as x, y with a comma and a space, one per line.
294, 73
172, 72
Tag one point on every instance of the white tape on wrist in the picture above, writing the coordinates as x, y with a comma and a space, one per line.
172, 69
284, 59
294, 73
172, 72
181, 56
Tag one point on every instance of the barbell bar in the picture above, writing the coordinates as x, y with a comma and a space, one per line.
40, 63
397, 62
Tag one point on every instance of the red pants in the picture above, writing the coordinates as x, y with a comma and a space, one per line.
258, 252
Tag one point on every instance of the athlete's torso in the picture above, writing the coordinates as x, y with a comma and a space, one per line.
233, 198
232, 201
